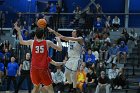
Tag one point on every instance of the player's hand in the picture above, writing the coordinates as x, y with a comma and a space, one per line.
61, 37
50, 30
57, 39
16, 26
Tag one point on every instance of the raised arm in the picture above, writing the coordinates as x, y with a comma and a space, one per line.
54, 32
23, 42
57, 47
79, 39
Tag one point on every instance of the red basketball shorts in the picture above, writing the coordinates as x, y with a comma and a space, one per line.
41, 76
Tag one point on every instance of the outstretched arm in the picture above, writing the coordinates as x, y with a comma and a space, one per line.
57, 47
23, 42
54, 32
80, 40
57, 63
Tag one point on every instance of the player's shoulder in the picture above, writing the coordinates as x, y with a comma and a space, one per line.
48, 41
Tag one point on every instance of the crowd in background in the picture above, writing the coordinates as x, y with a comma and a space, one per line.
101, 55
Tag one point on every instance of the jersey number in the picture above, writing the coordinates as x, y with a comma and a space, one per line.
39, 49
71, 47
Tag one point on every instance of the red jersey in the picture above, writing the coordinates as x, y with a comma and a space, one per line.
40, 58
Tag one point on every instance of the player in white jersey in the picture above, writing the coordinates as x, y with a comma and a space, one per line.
74, 53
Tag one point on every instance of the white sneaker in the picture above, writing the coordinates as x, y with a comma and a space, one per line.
117, 30
120, 87
115, 87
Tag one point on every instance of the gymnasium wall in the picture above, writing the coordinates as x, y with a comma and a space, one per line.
134, 20
108, 6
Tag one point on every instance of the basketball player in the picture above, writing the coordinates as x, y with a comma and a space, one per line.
74, 54
40, 73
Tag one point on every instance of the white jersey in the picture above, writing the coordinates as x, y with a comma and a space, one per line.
74, 53
74, 49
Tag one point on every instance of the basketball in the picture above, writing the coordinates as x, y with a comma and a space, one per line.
41, 23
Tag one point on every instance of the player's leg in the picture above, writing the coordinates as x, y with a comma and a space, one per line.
68, 75
35, 77
74, 80
48, 89
35, 89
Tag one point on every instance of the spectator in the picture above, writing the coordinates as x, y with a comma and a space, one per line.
113, 52
59, 80
106, 39
88, 19
24, 73
103, 83
91, 80
100, 68
106, 31
123, 51
58, 8
98, 25
104, 52
77, 13
133, 36
97, 44
77, 16
96, 54
81, 78
6, 57
112, 74
108, 23
47, 7
89, 58
125, 35
11, 73
7, 45
120, 80
116, 23
1, 71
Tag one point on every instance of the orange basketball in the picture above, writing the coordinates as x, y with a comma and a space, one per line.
41, 23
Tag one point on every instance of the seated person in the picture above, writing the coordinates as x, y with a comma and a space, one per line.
112, 74
108, 23
116, 23
1, 71
120, 80
123, 50
59, 79
113, 52
89, 58
98, 25
81, 77
91, 79
100, 67
103, 83
104, 52
133, 36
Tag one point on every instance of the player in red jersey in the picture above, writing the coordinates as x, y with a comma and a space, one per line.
40, 73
